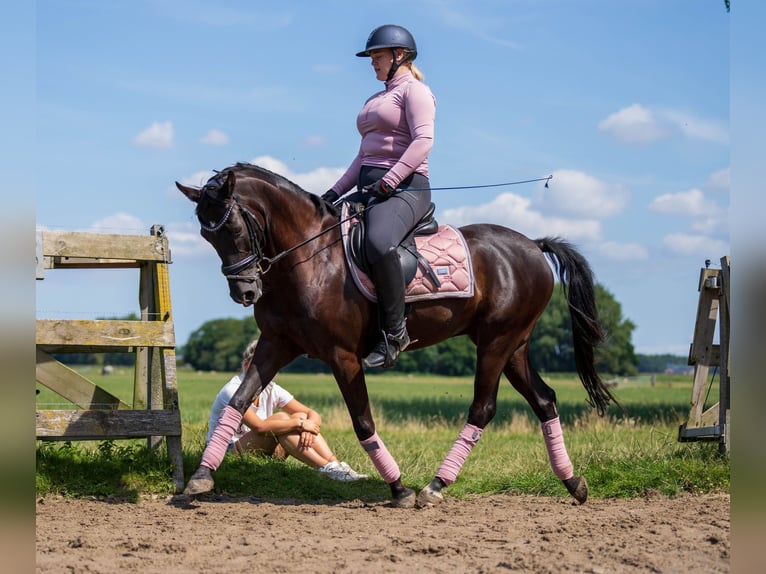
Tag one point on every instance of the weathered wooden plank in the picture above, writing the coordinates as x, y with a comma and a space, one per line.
105, 246
100, 424
105, 333
707, 315
89, 263
72, 386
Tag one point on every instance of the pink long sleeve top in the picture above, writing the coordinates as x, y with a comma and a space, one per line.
397, 129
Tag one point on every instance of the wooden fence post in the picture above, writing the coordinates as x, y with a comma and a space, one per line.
154, 412
713, 309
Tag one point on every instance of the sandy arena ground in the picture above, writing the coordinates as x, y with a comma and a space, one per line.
484, 534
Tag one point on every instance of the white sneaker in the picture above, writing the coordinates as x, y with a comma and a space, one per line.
352, 472
341, 472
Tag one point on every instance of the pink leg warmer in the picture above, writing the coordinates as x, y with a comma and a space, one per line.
381, 458
219, 442
460, 450
557, 451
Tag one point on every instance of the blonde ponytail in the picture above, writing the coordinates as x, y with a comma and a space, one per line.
416, 71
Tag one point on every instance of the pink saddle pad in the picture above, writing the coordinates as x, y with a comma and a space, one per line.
446, 251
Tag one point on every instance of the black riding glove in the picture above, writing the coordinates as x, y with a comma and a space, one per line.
330, 196
379, 189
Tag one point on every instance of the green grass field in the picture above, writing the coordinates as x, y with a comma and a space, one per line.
627, 453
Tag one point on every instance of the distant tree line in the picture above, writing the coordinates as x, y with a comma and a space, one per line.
217, 345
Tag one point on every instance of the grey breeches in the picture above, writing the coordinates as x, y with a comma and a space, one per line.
389, 221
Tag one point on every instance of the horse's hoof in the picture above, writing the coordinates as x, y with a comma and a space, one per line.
200, 482
429, 497
406, 499
577, 487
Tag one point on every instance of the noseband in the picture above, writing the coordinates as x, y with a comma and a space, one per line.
232, 272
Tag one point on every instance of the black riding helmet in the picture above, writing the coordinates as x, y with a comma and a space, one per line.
391, 36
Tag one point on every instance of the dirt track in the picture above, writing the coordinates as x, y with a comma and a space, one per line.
486, 534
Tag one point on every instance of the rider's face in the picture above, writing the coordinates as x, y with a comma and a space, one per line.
382, 60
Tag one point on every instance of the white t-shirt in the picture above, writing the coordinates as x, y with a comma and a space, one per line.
273, 397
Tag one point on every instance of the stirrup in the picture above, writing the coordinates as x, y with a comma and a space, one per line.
385, 353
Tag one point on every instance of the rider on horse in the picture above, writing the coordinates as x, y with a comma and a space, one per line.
391, 170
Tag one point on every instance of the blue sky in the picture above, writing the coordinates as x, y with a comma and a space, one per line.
625, 103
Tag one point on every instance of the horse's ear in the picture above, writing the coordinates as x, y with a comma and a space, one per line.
228, 188
192, 193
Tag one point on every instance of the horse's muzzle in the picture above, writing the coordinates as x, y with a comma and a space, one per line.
245, 293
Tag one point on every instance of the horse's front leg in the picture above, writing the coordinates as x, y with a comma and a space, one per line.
256, 378
350, 378
481, 412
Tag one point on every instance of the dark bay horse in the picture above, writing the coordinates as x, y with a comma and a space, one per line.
281, 252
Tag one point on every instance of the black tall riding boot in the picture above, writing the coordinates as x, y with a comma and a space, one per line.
387, 276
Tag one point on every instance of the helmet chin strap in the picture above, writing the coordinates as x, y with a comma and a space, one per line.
395, 65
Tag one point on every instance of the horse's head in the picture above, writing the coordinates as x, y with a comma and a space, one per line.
233, 231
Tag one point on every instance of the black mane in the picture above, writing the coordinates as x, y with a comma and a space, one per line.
245, 169
258, 172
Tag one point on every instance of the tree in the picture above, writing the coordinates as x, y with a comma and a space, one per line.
453, 357
616, 355
551, 347
218, 344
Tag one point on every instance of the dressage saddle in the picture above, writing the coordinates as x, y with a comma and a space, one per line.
409, 256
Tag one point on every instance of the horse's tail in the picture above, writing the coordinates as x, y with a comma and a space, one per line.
577, 282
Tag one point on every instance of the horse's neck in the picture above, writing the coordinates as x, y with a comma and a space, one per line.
290, 222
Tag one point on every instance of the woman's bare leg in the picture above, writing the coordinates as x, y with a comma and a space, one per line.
252, 441
309, 456
323, 449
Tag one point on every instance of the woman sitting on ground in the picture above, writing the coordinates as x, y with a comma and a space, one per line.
291, 431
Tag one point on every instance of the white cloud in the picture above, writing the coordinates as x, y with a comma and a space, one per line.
197, 179
634, 124
701, 246
637, 124
121, 223
717, 225
157, 135
719, 181
215, 137
692, 203
708, 231
515, 212
313, 141
578, 193
185, 240
695, 128
316, 181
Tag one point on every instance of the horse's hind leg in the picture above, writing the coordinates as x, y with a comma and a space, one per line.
542, 399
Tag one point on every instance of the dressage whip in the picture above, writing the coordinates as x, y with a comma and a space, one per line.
545, 179
506, 183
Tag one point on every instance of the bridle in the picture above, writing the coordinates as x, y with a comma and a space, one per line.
257, 256
232, 271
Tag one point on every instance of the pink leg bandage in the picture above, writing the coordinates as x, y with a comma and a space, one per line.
557, 451
460, 450
219, 442
381, 458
